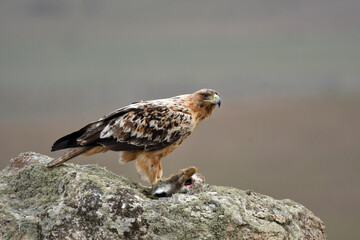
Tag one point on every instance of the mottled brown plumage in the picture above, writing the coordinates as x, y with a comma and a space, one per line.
144, 131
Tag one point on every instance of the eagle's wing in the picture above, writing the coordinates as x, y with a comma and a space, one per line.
149, 127
144, 125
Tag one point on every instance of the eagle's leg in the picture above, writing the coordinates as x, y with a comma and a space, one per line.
149, 168
160, 172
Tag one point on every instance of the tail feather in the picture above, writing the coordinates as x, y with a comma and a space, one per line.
70, 154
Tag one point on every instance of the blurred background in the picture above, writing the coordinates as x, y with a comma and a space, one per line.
288, 73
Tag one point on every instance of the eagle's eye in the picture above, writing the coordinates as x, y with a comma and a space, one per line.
205, 95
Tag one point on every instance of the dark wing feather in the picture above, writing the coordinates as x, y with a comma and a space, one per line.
68, 141
152, 128
88, 134
145, 125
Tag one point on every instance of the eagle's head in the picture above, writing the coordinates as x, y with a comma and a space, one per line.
203, 103
206, 97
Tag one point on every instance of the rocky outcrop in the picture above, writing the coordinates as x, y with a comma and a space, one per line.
89, 202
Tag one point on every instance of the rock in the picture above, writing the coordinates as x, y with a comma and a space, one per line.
88, 202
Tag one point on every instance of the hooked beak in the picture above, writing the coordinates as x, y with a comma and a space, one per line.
216, 100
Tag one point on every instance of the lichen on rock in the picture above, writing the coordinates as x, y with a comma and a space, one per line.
88, 202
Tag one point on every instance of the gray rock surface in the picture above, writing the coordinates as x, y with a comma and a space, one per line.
89, 202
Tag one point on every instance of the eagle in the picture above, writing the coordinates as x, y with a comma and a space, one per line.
144, 131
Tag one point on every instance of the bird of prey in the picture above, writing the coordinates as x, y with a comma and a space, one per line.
144, 131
